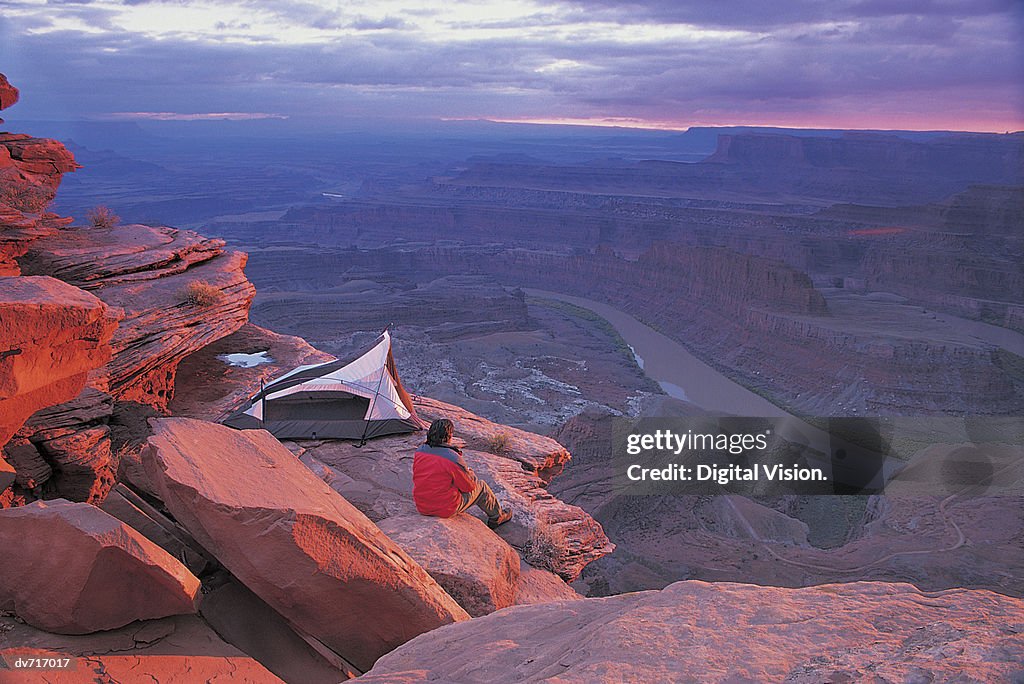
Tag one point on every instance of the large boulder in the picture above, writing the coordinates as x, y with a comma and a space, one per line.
83, 463
473, 564
696, 631
292, 540
71, 568
51, 335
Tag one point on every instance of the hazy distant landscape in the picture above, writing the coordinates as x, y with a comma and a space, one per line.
864, 272
817, 273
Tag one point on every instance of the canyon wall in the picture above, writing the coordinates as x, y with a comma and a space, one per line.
758, 320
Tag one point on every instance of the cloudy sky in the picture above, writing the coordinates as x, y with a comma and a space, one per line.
915, 64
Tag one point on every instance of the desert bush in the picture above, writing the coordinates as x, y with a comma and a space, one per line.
103, 217
201, 294
544, 546
31, 199
498, 443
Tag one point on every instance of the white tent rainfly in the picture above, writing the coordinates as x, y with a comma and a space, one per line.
359, 397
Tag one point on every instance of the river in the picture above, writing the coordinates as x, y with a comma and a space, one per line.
680, 374
683, 375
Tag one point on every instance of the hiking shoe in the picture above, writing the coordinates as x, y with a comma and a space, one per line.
500, 520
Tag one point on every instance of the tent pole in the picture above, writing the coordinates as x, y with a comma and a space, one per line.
383, 370
263, 399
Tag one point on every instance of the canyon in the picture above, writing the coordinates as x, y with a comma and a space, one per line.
830, 275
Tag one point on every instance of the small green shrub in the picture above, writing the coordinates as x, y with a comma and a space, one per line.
202, 294
103, 217
544, 547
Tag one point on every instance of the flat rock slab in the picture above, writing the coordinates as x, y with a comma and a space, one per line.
174, 650
73, 569
474, 565
695, 631
292, 540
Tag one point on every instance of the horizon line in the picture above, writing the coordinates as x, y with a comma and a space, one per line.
612, 123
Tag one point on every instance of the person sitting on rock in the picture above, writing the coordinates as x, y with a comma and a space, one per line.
443, 485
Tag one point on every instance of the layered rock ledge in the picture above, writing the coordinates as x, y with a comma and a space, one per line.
547, 532
695, 631
179, 292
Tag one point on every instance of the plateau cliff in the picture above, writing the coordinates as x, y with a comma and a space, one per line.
107, 329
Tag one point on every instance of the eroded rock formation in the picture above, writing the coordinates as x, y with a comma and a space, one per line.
179, 291
30, 171
694, 631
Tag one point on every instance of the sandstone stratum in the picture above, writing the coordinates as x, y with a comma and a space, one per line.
690, 631
149, 543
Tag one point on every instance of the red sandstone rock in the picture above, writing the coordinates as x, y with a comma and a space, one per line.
8, 93
32, 469
548, 532
71, 568
84, 467
292, 540
476, 567
693, 631
536, 452
540, 586
89, 408
39, 159
148, 272
51, 335
175, 650
30, 171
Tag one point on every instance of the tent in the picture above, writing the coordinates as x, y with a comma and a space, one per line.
354, 398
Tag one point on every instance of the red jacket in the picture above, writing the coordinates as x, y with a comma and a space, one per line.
439, 477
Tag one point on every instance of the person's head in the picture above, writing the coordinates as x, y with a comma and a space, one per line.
440, 432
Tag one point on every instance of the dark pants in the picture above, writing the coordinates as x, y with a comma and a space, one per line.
483, 498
